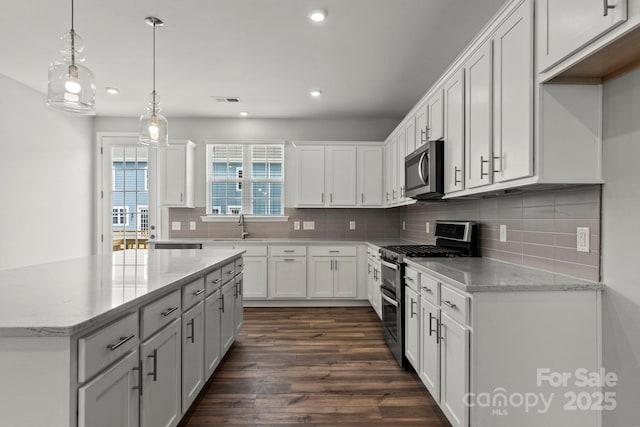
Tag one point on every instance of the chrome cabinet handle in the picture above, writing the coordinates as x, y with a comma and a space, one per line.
330, 197
607, 6
408, 278
448, 303
289, 251
168, 311
439, 336
361, 197
322, 197
139, 369
426, 289
222, 303
456, 181
216, 281
237, 291
482, 162
423, 135
335, 263
181, 197
494, 164
394, 194
154, 356
123, 340
192, 336
198, 292
230, 272
387, 196
431, 330
334, 252
413, 313
288, 259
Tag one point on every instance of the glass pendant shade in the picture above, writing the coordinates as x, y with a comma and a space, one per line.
154, 128
72, 87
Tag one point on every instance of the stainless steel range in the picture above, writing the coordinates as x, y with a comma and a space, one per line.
453, 239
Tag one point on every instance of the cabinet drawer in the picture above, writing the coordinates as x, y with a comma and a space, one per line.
253, 250
429, 289
193, 293
454, 304
332, 250
160, 313
239, 265
213, 280
288, 250
228, 271
101, 348
412, 278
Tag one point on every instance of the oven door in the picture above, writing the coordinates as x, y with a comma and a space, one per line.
392, 323
392, 276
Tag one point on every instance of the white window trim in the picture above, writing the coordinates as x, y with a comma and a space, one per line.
247, 218
126, 215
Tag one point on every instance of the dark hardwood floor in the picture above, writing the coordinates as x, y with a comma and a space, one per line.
313, 367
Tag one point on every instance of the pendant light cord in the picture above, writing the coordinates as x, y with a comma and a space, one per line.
73, 38
154, 69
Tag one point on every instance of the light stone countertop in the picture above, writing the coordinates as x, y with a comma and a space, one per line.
66, 297
383, 241
486, 275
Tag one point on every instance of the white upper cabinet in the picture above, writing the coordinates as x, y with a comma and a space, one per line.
401, 153
410, 134
478, 124
177, 174
513, 96
369, 170
564, 26
435, 122
454, 132
340, 179
310, 160
422, 123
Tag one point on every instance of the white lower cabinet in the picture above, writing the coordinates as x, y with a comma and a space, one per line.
332, 272
412, 326
255, 274
238, 303
160, 400
454, 370
227, 319
193, 378
429, 371
212, 329
288, 277
112, 398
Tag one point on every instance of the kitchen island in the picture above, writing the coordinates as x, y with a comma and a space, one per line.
74, 335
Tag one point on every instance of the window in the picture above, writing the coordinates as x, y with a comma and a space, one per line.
245, 179
120, 215
143, 221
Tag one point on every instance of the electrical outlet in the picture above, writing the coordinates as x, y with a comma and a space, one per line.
404, 225
503, 233
583, 238
175, 225
428, 226
352, 225
308, 225
192, 225
296, 225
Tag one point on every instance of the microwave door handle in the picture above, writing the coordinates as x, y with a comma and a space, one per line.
421, 168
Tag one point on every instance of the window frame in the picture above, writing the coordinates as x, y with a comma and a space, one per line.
120, 212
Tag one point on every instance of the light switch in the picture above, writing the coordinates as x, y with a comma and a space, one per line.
175, 225
352, 225
296, 225
308, 225
503, 232
582, 242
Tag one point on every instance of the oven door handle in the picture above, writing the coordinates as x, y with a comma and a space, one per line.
388, 264
390, 301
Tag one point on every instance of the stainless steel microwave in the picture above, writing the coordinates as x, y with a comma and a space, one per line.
424, 171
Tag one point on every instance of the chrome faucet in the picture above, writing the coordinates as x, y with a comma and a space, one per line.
241, 224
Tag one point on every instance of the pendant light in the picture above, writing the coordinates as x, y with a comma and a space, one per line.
72, 87
153, 125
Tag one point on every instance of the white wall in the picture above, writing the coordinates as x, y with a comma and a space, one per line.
46, 160
620, 250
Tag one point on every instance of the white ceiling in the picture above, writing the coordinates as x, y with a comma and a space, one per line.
371, 58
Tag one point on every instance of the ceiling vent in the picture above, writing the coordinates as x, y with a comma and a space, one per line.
226, 99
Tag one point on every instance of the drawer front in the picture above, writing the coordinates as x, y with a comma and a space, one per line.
213, 280
332, 250
454, 304
239, 265
193, 293
288, 250
254, 250
105, 346
412, 278
430, 289
160, 313
228, 271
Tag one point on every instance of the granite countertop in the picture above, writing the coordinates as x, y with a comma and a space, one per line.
486, 275
65, 297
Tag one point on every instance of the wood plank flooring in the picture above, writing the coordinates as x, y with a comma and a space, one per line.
313, 367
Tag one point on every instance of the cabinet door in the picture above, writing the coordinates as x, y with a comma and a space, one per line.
412, 326
112, 398
345, 277
288, 277
239, 303
340, 176
393, 169
564, 26
161, 354
212, 340
400, 147
478, 124
192, 354
310, 175
422, 133
369, 170
454, 380
388, 184
177, 177
410, 131
429, 371
435, 120
254, 284
513, 92
454, 133
320, 277
370, 282
227, 320
377, 293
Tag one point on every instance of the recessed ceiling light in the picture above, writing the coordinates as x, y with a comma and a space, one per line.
112, 90
318, 15
315, 93
244, 113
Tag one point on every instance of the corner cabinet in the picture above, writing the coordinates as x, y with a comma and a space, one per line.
177, 174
